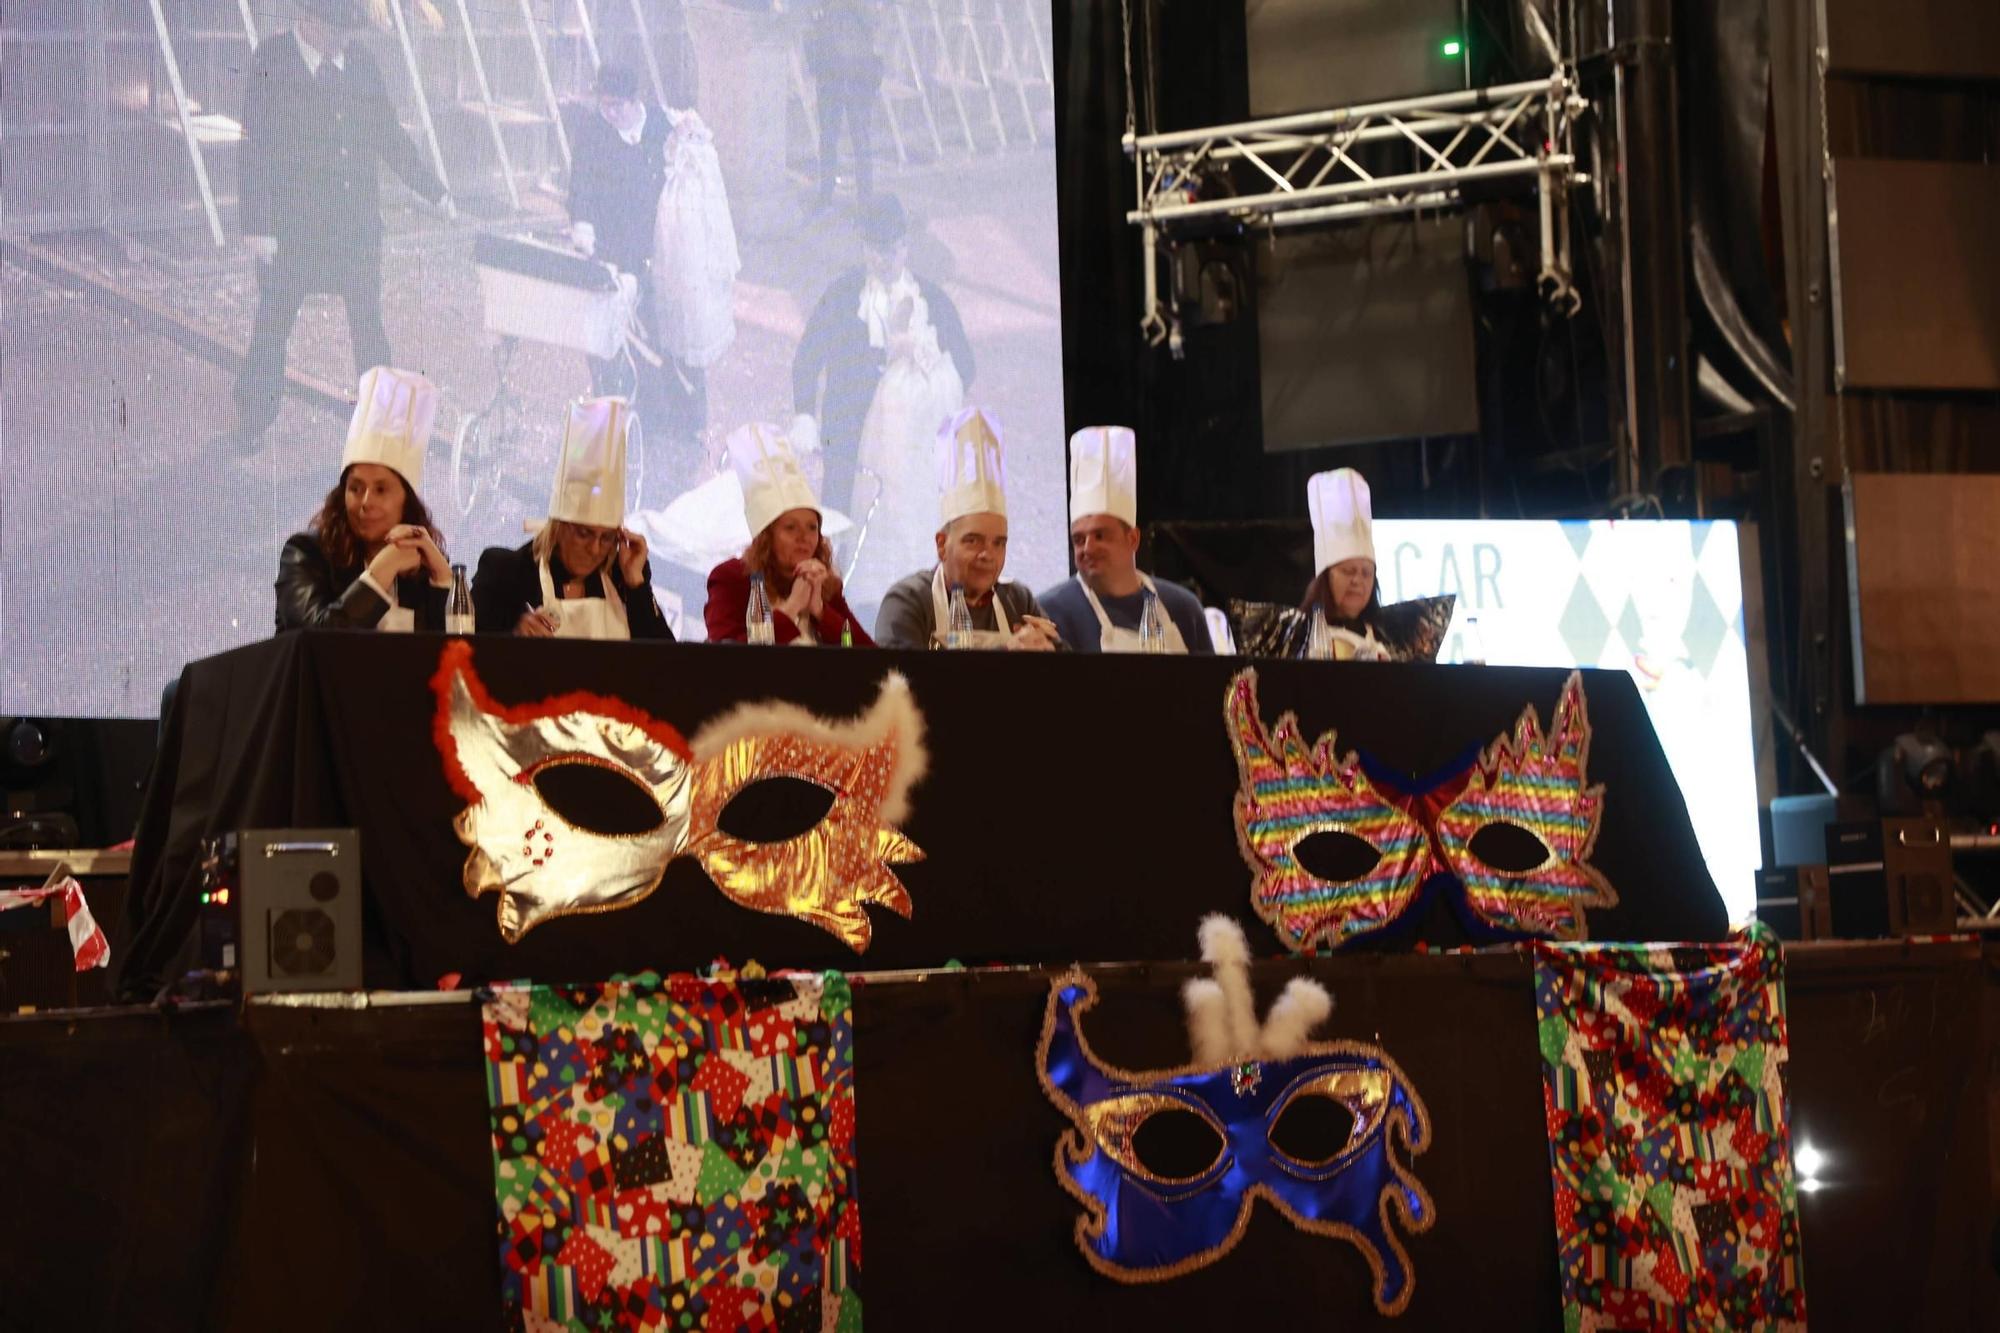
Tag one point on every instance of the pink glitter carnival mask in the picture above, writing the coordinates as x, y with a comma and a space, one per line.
1525, 791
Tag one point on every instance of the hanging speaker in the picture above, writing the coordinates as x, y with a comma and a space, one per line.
299, 909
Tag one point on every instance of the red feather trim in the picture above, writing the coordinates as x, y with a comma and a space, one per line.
457, 658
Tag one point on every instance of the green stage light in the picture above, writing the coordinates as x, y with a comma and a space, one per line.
1453, 47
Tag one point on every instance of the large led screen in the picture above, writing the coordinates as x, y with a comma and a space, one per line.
140, 319
1661, 600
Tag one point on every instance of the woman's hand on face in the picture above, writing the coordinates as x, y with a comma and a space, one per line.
419, 540
631, 557
814, 576
393, 561
535, 625
800, 597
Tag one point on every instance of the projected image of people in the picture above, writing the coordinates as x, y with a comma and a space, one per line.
835, 219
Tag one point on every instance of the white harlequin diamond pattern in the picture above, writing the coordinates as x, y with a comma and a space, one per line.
1642, 604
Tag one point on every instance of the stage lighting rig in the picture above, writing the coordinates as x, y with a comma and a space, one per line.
1305, 171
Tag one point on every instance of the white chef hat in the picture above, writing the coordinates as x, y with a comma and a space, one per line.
590, 473
773, 483
1104, 473
391, 425
1343, 522
971, 472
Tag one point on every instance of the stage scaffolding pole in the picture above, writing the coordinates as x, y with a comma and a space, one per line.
589, 34
542, 74
486, 105
187, 122
417, 87
646, 46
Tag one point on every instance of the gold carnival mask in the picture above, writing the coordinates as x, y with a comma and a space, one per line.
543, 865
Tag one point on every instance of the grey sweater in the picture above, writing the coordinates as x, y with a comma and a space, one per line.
908, 620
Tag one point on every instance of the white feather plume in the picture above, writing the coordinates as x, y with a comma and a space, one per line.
1304, 1005
1227, 954
1208, 1024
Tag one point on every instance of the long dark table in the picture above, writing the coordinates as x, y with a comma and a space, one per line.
1075, 807
311, 1168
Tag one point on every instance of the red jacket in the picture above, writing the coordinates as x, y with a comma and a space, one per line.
729, 599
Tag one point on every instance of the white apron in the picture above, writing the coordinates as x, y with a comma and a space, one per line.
941, 615
1112, 639
586, 617
1332, 644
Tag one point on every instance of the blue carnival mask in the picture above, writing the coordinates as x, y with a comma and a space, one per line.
1149, 1221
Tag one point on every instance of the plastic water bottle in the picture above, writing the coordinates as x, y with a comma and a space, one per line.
757, 625
1152, 625
1320, 646
1472, 644
960, 634
458, 606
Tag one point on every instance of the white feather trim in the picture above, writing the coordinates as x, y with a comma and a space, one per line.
893, 712
1304, 1005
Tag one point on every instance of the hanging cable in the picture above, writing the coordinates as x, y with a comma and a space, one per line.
1131, 94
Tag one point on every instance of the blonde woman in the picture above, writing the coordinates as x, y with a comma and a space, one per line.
585, 575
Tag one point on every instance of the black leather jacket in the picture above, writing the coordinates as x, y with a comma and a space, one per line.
312, 594
1411, 631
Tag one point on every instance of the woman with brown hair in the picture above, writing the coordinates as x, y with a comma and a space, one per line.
372, 558
788, 556
1341, 616
585, 575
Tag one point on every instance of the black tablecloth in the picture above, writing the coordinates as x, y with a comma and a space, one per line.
323, 1169
1077, 807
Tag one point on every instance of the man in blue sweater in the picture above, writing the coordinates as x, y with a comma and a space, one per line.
1101, 609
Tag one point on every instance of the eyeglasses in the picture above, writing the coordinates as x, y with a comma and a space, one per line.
595, 536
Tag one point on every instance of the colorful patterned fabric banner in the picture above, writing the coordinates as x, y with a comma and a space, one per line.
1663, 1071
676, 1155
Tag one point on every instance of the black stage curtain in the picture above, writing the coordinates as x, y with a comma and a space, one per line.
329, 1169
1076, 807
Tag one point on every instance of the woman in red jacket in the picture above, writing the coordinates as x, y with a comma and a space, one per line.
787, 553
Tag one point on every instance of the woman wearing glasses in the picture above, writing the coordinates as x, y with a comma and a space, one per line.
584, 576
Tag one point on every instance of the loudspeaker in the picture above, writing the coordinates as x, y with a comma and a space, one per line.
1890, 877
298, 909
1793, 901
1364, 333
1916, 865
1310, 55
1860, 903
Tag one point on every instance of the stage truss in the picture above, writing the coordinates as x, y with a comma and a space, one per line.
1479, 140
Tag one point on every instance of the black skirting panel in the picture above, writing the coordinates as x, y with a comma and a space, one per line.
1077, 807
330, 1169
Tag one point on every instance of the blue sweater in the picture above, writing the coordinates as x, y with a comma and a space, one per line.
1066, 605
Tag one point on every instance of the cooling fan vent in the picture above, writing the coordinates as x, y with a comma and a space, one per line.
302, 942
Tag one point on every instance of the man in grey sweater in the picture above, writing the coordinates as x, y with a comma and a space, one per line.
972, 555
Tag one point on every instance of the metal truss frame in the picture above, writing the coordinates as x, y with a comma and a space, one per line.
1521, 132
